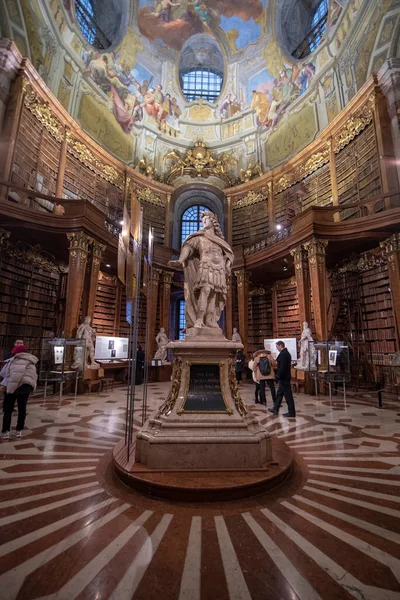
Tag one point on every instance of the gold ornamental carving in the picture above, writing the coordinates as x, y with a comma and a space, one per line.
299, 254
147, 195
233, 387
284, 284
42, 111
391, 245
250, 173
146, 167
250, 198
315, 162
27, 254
199, 161
98, 249
169, 404
167, 277
354, 125
86, 156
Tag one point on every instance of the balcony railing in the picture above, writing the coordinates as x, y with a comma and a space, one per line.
50, 205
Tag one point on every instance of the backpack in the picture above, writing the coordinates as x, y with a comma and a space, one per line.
265, 366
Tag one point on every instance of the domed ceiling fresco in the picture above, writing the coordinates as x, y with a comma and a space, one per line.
172, 23
264, 105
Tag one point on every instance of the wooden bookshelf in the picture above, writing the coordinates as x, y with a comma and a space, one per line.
287, 311
27, 304
260, 319
357, 170
105, 307
250, 223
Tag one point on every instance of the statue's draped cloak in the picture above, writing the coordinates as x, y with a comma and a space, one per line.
208, 270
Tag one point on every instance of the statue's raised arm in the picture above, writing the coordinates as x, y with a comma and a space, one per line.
207, 260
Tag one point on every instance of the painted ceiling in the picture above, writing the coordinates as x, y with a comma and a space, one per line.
172, 23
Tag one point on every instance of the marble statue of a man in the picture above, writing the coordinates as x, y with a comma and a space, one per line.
236, 336
87, 333
307, 360
162, 342
206, 259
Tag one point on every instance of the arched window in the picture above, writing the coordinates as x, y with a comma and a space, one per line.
191, 221
201, 83
315, 32
102, 22
181, 319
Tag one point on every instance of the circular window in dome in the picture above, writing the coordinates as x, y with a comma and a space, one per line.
201, 69
102, 22
300, 26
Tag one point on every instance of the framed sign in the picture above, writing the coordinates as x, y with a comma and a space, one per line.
204, 393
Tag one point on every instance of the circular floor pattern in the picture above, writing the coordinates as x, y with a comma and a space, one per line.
70, 529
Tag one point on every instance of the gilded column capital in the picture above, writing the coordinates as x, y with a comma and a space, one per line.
78, 240
4, 236
299, 253
155, 276
391, 244
316, 246
242, 277
167, 277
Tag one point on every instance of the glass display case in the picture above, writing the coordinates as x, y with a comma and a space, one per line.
329, 362
61, 360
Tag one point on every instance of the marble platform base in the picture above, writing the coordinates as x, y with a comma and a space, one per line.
203, 424
208, 485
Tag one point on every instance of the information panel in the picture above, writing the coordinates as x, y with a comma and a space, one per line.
204, 393
111, 347
290, 343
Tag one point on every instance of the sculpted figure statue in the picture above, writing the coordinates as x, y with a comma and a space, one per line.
162, 341
87, 333
206, 259
306, 361
236, 336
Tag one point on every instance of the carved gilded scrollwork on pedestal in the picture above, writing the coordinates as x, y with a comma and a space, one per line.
239, 404
169, 404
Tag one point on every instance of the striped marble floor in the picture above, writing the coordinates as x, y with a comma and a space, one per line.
69, 529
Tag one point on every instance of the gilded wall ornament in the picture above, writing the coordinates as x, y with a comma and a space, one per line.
354, 125
169, 404
42, 111
147, 195
250, 198
199, 161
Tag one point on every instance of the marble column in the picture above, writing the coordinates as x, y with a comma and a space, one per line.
94, 269
165, 299
78, 254
242, 278
316, 260
302, 274
391, 248
152, 301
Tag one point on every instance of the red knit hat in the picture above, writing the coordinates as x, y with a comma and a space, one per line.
18, 349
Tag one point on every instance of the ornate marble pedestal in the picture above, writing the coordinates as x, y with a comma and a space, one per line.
204, 423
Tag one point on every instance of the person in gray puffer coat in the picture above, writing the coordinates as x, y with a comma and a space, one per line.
21, 376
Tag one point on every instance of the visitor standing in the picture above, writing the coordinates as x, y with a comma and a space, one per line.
264, 371
240, 360
257, 390
283, 377
21, 377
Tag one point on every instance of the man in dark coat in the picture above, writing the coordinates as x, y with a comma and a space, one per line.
283, 377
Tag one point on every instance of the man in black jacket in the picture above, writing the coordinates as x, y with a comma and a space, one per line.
284, 361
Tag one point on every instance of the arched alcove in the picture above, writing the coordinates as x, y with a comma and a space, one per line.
193, 194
